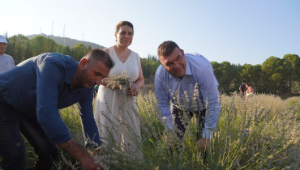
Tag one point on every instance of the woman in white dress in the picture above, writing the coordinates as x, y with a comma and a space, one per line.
116, 112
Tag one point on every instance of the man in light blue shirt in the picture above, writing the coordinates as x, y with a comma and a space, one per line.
31, 95
188, 81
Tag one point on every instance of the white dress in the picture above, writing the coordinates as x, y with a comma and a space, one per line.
116, 114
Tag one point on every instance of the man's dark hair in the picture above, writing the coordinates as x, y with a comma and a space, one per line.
122, 23
244, 81
166, 48
99, 55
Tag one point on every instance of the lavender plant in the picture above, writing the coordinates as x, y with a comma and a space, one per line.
262, 133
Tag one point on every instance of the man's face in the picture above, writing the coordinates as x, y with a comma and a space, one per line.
175, 63
3, 47
92, 74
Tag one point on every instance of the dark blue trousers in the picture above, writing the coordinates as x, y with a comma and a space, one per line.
178, 114
12, 149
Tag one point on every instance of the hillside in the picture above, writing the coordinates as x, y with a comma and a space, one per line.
67, 41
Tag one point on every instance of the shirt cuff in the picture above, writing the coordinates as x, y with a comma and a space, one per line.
207, 133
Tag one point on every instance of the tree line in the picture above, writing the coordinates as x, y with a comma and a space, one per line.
21, 47
274, 75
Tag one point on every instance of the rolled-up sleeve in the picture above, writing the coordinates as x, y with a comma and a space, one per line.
49, 76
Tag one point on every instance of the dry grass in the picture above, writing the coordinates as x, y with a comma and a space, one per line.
262, 133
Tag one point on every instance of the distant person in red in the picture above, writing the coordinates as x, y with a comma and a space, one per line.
242, 88
6, 61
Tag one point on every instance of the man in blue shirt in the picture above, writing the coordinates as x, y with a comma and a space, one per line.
188, 81
31, 95
242, 88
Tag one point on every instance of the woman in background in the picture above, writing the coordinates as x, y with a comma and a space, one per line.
116, 112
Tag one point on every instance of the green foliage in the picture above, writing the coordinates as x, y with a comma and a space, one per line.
41, 44
149, 66
275, 75
78, 51
291, 68
21, 48
227, 74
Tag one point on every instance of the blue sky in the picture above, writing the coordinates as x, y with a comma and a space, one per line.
238, 31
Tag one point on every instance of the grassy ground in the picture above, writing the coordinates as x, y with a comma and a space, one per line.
262, 133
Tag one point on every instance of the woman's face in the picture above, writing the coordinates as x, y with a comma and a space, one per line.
124, 36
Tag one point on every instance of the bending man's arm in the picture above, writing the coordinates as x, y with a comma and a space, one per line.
209, 89
90, 130
79, 153
163, 101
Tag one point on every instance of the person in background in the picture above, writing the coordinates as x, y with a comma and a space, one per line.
242, 89
249, 91
114, 110
177, 73
31, 95
96, 88
6, 61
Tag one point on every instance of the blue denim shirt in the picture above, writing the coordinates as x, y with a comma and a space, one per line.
199, 73
41, 85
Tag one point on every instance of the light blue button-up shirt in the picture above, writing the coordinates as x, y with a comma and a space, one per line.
199, 84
